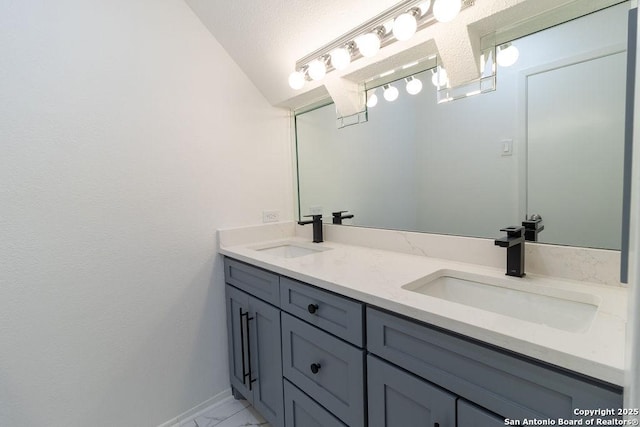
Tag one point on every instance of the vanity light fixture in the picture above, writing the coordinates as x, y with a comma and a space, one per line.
507, 55
390, 93
414, 85
399, 22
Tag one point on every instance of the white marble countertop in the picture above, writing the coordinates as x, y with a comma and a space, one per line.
377, 277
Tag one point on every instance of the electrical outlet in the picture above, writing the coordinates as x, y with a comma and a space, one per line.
315, 210
270, 216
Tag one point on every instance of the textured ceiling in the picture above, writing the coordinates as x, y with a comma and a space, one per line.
267, 37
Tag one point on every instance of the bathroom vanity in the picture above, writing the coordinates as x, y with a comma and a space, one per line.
315, 340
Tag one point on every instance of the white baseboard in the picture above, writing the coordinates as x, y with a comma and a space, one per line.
196, 411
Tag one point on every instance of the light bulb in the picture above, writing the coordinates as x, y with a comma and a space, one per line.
446, 10
368, 44
507, 55
296, 80
439, 77
404, 26
390, 93
424, 7
317, 69
340, 58
372, 101
414, 86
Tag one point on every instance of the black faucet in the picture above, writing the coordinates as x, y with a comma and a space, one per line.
514, 242
338, 217
317, 226
532, 227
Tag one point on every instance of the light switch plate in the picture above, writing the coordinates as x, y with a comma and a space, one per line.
506, 147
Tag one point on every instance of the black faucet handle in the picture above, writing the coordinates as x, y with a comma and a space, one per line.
315, 217
513, 231
533, 223
338, 213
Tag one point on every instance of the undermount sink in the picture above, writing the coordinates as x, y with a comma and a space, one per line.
290, 249
557, 308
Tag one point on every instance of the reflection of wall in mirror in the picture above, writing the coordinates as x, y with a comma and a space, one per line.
366, 169
575, 146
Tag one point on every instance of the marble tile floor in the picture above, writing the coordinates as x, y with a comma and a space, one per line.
228, 413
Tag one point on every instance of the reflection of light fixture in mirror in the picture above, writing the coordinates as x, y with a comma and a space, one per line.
390, 93
369, 44
341, 57
439, 77
406, 24
507, 55
414, 85
372, 100
446, 10
296, 80
317, 69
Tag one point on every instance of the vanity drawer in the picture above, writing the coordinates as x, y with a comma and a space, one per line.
333, 313
508, 385
338, 383
253, 280
302, 411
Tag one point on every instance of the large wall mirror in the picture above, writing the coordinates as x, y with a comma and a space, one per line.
548, 141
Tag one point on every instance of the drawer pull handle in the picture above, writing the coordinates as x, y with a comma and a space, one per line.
315, 367
312, 308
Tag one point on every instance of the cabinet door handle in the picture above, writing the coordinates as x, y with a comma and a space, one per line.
249, 373
315, 367
244, 365
312, 308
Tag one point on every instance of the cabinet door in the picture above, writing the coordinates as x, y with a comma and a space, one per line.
399, 399
470, 415
237, 313
266, 361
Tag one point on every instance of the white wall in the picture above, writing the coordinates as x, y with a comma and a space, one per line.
127, 136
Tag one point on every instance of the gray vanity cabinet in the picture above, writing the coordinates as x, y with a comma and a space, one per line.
301, 356
399, 399
501, 382
255, 350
